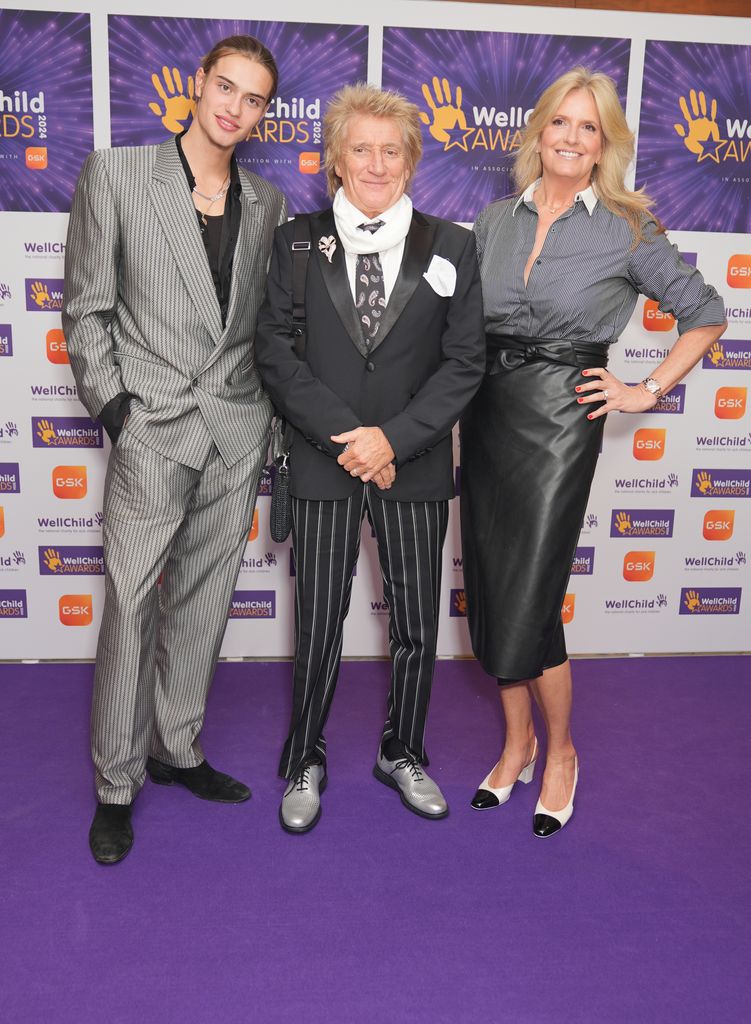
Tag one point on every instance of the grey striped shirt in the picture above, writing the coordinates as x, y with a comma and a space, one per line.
585, 283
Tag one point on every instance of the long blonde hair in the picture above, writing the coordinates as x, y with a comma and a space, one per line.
608, 176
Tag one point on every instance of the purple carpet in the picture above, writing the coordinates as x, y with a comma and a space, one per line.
636, 912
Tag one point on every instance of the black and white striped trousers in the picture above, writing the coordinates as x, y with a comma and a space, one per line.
326, 538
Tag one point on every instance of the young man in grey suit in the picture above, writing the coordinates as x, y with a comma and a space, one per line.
165, 270
395, 350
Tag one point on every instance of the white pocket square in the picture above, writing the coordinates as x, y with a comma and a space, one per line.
441, 276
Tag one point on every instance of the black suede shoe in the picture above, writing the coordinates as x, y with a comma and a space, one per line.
203, 781
111, 833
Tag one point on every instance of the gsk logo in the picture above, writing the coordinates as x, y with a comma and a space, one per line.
57, 349
309, 163
739, 270
76, 609
36, 158
567, 608
718, 524
638, 566
69, 481
730, 403
649, 443
654, 319
253, 532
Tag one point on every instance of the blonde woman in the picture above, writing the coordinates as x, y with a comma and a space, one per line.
562, 266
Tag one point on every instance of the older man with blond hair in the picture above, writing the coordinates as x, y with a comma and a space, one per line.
394, 352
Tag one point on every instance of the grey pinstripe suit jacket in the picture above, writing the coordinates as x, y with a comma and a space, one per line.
140, 313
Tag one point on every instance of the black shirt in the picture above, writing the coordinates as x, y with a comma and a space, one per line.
219, 233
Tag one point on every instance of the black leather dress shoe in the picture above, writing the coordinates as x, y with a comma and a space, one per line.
111, 833
203, 781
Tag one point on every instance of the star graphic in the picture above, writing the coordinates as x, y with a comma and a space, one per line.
457, 137
711, 148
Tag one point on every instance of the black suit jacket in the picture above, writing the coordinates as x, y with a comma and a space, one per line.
422, 371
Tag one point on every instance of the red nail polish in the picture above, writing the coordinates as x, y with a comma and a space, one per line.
589, 417
580, 400
577, 389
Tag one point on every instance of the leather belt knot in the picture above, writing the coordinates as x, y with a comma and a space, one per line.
508, 352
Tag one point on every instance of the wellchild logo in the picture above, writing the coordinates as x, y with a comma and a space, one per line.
71, 561
710, 600
66, 432
263, 563
43, 250
642, 522
721, 483
638, 566
10, 478
637, 605
673, 402
253, 604
458, 607
649, 354
76, 609
492, 129
70, 524
649, 443
177, 103
723, 442
645, 484
8, 431
584, 562
13, 604
728, 355
44, 294
718, 524
266, 482
6, 340
61, 392
702, 131
5, 292
714, 563
730, 403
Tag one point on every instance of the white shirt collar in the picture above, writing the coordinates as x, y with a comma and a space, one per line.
354, 217
587, 196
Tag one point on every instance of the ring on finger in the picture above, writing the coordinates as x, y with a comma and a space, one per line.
605, 394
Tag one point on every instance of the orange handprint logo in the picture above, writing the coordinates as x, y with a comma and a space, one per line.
460, 602
622, 522
40, 295
178, 107
692, 601
45, 432
445, 114
52, 559
703, 481
700, 134
716, 354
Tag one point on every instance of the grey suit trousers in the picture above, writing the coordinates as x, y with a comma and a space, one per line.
158, 644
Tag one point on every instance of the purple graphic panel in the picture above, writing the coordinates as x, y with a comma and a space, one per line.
476, 90
46, 117
153, 61
694, 145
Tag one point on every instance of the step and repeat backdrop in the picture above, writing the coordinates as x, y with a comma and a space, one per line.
663, 559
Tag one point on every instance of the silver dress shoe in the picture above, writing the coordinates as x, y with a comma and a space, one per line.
416, 789
301, 803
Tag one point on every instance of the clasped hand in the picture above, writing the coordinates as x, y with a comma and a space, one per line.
367, 455
612, 394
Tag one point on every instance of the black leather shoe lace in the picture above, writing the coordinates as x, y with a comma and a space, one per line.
413, 766
302, 782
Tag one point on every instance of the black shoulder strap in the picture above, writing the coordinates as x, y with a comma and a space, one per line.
300, 256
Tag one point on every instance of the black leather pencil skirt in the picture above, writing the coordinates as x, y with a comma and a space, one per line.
528, 458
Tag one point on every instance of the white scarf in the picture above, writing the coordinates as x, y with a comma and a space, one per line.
396, 223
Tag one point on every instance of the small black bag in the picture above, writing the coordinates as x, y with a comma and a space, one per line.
280, 522
281, 438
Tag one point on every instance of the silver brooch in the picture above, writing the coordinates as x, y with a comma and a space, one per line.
327, 246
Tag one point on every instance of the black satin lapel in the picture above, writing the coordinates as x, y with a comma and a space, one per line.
417, 248
334, 273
